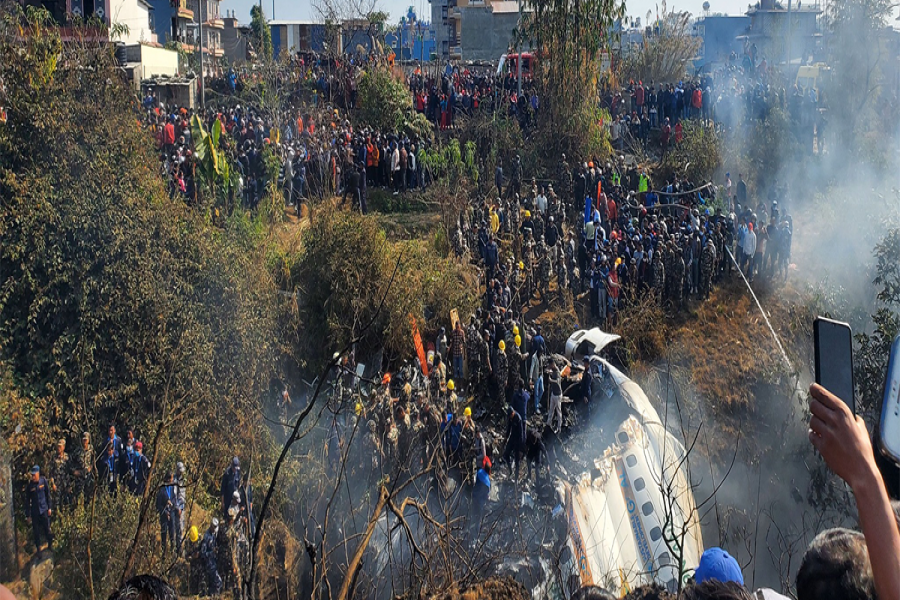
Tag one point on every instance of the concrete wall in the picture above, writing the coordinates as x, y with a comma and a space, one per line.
485, 35
136, 16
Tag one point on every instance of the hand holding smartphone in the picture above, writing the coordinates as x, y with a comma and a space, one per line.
834, 359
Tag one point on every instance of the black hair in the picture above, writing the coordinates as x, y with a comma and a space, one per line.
144, 587
836, 567
713, 589
652, 591
592, 592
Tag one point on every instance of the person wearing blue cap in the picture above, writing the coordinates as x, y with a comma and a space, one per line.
717, 564
40, 508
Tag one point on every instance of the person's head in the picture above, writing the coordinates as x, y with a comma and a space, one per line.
35, 473
85, 439
714, 589
652, 591
144, 587
112, 431
170, 477
592, 592
110, 450
61, 446
235, 463
717, 564
138, 447
836, 567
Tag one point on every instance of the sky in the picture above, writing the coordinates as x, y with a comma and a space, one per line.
303, 10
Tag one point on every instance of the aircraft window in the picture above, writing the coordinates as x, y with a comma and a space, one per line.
631, 460
639, 484
664, 560
672, 586
623, 437
655, 534
647, 509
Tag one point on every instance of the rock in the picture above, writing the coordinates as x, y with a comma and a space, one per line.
40, 571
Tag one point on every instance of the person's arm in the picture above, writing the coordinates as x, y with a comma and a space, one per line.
844, 443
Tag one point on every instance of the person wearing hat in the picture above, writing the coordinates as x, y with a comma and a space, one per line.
209, 553
165, 507
716, 564
40, 509
60, 478
180, 502
458, 350
83, 472
515, 436
501, 373
231, 482
480, 494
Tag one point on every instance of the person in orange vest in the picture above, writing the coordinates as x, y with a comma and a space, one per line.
372, 157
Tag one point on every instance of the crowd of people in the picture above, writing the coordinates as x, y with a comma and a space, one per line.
217, 557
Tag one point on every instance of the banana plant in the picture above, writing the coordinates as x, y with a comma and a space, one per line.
212, 164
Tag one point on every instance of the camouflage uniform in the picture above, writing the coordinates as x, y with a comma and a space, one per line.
527, 259
501, 373
545, 268
472, 355
226, 556
669, 269
83, 474
659, 276
515, 366
707, 266
538, 221
562, 282
677, 279
61, 479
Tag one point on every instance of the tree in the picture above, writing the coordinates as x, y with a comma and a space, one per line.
858, 54
662, 55
385, 104
569, 37
345, 17
261, 34
117, 302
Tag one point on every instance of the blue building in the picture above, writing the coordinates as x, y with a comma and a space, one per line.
411, 39
720, 37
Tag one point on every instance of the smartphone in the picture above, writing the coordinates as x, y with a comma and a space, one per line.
834, 358
889, 426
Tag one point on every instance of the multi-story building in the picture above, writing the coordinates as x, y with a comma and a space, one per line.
473, 29
784, 34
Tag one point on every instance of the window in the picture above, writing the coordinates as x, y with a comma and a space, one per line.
665, 560
647, 509
631, 460
655, 534
639, 484
623, 437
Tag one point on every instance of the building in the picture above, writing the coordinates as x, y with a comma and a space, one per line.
297, 36
782, 35
473, 29
172, 21
235, 40
720, 35
137, 18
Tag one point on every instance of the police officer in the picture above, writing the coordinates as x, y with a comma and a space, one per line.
40, 508
209, 554
231, 482
165, 506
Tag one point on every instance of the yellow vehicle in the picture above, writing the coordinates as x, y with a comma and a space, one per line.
810, 77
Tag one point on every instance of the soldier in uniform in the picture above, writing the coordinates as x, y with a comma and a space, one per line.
472, 354
707, 266
226, 555
562, 282
83, 473
544, 268
61, 476
677, 278
658, 276
501, 371
669, 268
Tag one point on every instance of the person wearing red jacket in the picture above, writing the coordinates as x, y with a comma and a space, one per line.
169, 136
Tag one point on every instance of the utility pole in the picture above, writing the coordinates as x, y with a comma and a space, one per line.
519, 59
200, 42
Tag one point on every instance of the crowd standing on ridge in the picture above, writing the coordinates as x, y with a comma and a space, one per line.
600, 231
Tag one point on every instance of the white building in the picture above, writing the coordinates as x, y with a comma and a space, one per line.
134, 16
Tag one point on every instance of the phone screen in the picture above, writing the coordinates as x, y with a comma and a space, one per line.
889, 428
834, 359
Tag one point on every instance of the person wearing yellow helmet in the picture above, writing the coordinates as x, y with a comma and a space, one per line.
518, 341
358, 408
502, 345
515, 330
193, 534
450, 385
468, 411
501, 371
